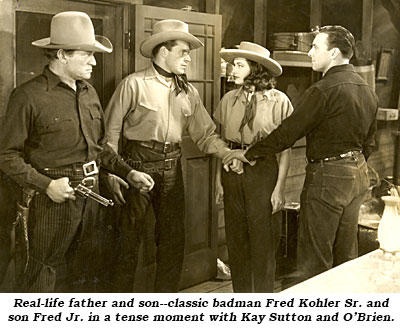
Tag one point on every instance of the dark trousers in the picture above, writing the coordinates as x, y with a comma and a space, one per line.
167, 200
330, 202
63, 248
251, 235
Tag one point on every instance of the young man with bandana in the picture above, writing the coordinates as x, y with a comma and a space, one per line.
152, 108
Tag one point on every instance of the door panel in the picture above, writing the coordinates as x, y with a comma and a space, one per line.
198, 168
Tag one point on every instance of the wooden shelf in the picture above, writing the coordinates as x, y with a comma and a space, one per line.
292, 59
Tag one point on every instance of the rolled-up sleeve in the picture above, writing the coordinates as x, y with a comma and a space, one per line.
201, 129
122, 102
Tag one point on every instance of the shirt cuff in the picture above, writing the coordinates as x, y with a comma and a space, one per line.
250, 155
122, 170
41, 182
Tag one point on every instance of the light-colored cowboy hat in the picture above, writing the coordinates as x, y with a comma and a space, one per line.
168, 30
254, 53
74, 30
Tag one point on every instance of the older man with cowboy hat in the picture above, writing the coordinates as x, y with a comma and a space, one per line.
152, 108
53, 139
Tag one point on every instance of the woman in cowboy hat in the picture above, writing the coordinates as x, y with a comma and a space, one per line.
246, 115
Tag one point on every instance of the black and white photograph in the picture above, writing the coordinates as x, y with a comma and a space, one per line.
217, 164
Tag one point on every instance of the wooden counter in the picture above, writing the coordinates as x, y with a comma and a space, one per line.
370, 273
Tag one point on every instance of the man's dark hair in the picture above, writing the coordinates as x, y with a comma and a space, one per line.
339, 37
51, 54
259, 77
168, 44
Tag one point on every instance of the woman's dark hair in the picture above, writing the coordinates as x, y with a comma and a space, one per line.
259, 77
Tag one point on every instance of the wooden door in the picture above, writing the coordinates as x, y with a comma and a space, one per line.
198, 168
32, 21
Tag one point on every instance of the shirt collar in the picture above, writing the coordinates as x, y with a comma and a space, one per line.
53, 80
342, 67
151, 73
266, 94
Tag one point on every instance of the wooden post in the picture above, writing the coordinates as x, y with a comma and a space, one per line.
315, 13
366, 26
260, 22
212, 6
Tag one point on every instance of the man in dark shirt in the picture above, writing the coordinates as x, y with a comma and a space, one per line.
53, 138
338, 117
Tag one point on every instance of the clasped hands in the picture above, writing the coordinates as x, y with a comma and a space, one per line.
234, 160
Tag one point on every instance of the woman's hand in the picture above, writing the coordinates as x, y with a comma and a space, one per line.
277, 199
219, 193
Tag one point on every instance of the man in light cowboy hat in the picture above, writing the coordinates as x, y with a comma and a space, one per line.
52, 140
152, 108
337, 115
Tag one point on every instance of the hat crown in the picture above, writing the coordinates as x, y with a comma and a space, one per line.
170, 26
251, 47
71, 28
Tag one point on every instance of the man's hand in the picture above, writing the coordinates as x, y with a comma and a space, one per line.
219, 193
232, 159
115, 185
59, 190
140, 180
277, 199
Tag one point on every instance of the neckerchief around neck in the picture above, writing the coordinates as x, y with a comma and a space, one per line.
181, 82
250, 110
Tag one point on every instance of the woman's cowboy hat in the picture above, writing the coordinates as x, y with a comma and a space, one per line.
74, 30
168, 30
255, 53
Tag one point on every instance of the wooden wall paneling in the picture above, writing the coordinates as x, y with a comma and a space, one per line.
7, 67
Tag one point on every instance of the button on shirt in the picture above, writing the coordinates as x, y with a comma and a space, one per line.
273, 107
48, 124
146, 106
336, 114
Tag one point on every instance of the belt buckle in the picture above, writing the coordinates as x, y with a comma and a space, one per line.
89, 182
168, 164
167, 147
90, 168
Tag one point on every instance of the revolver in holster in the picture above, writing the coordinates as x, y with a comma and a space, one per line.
21, 233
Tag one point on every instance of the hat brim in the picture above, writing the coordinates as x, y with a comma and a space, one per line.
101, 44
273, 67
147, 45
